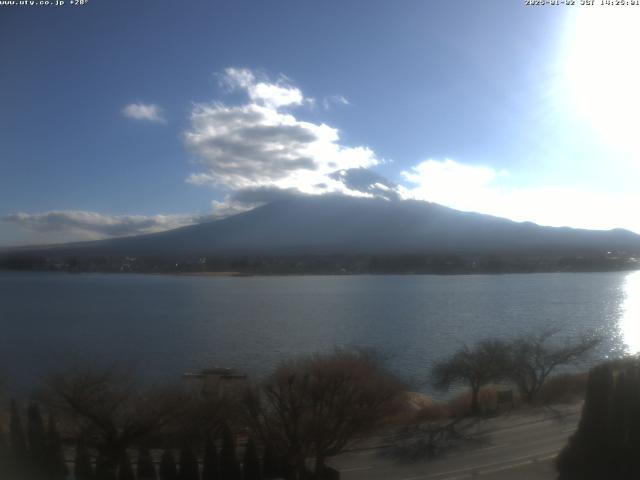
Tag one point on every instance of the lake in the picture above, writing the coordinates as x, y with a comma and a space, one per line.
165, 325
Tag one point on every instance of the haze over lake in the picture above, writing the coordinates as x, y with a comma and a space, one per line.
168, 325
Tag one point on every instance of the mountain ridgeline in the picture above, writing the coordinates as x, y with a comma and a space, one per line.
328, 234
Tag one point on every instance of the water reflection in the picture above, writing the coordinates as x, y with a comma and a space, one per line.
630, 320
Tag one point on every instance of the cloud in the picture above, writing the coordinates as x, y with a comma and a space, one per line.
270, 94
330, 100
368, 182
449, 183
261, 144
141, 111
92, 225
250, 198
248, 145
261, 195
486, 190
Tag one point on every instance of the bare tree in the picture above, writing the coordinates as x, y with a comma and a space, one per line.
534, 357
109, 410
485, 362
199, 416
315, 406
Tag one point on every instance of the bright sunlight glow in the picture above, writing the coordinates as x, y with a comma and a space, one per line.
602, 70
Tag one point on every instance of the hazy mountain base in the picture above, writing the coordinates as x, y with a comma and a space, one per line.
324, 264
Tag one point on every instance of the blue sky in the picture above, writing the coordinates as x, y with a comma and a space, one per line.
122, 117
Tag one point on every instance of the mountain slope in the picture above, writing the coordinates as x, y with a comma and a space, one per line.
342, 225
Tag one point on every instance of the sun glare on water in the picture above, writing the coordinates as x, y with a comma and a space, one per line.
630, 321
602, 71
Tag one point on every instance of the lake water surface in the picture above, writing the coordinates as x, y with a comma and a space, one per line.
167, 325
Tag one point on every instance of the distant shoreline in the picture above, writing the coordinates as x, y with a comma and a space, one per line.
206, 274
236, 274
329, 264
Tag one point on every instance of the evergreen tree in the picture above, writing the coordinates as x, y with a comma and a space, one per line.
210, 467
251, 463
590, 437
4, 455
271, 463
104, 469
56, 464
606, 442
36, 440
189, 469
634, 423
146, 470
618, 433
18, 443
168, 469
125, 472
82, 469
229, 467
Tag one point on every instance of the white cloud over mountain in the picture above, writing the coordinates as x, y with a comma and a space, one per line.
448, 182
261, 144
483, 189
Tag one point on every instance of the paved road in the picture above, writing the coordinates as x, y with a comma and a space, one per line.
521, 446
